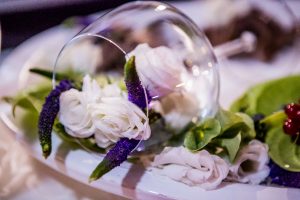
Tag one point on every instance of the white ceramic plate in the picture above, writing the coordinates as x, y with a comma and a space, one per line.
128, 180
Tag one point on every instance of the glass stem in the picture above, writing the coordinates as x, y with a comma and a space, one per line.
246, 43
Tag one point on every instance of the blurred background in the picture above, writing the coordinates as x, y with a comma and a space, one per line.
22, 19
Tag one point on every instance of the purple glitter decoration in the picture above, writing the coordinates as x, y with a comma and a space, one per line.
48, 115
136, 92
119, 154
114, 157
283, 177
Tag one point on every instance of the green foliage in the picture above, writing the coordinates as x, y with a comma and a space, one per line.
74, 76
225, 133
130, 72
85, 143
231, 145
200, 135
283, 150
268, 99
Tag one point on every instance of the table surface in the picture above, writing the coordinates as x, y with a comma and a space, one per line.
41, 180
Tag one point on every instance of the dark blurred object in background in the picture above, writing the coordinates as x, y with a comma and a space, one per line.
271, 36
21, 19
272, 22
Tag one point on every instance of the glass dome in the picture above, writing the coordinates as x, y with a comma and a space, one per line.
174, 60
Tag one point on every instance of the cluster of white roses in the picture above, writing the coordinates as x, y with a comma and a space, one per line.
103, 112
208, 171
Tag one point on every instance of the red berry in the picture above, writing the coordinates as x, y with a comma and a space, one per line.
291, 127
291, 110
297, 116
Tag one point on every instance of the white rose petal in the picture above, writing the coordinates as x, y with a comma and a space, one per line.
159, 68
117, 117
112, 90
74, 105
103, 140
91, 91
251, 164
196, 169
178, 108
74, 114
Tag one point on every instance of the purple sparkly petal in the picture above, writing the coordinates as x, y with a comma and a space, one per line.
48, 115
119, 154
283, 177
136, 92
114, 157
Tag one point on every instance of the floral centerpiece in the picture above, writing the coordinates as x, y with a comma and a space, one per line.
154, 104
115, 115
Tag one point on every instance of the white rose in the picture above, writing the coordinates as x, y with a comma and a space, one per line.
104, 112
251, 164
74, 113
112, 90
195, 169
159, 68
116, 117
177, 108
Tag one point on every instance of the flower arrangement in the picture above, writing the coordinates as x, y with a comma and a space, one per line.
112, 115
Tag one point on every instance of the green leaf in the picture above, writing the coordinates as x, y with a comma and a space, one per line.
190, 141
130, 72
269, 97
282, 149
86, 143
199, 136
28, 122
278, 93
248, 130
25, 103
227, 119
48, 74
70, 74
274, 120
41, 92
90, 144
59, 129
234, 123
178, 138
232, 145
240, 105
